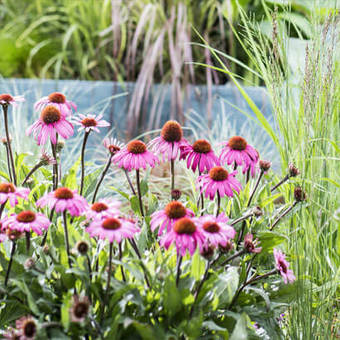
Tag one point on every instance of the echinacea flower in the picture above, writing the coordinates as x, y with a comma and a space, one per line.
80, 308
218, 180
27, 221
10, 192
250, 244
27, 327
46, 159
170, 141
64, 199
282, 266
50, 123
7, 99
103, 208
135, 156
90, 122
216, 230
112, 145
113, 229
166, 218
58, 100
186, 236
200, 154
238, 152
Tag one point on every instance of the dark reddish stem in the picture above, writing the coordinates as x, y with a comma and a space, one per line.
86, 136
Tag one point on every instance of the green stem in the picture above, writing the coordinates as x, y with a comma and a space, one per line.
218, 203
255, 188
139, 193
28, 240
179, 262
108, 279
35, 168
55, 166
8, 163
102, 178
67, 244
120, 259
86, 135
129, 181
10, 262
172, 172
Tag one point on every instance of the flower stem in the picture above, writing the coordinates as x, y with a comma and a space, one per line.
55, 166
255, 188
139, 193
120, 259
129, 181
28, 240
5, 110
8, 163
46, 232
86, 136
89, 266
35, 168
108, 278
107, 166
2, 207
67, 244
237, 254
240, 219
201, 197
282, 215
10, 262
172, 172
218, 203
179, 262
283, 180
205, 276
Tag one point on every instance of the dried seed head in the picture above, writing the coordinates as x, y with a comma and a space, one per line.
7, 188
29, 263
136, 147
176, 194
172, 131
80, 308
111, 224
175, 209
299, 194
265, 165
208, 252
184, 226
237, 143
218, 173
26, 216
293, 170
57, 97
201, 146
60, 145
63, 194
82, 247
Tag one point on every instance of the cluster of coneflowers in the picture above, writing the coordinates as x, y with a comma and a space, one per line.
175, 223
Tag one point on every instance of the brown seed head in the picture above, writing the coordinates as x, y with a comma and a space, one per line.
211, 227
6, 97
218, 173
50, 114
172, 131
57, 97
265, 165
201, 146
89, 122
111, 224
237, 143
99, 207
7, 188
26, 216
184, 226
63, 193
299, 194
136, 147
175, 209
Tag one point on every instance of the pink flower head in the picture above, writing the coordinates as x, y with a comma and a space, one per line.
90, 122
167, 217
9, 192
237, 151
103, 208
135, 156
59, 101
186, 236
216, 230
27, 328
50, 123
218, 180
113, 229
27, 221
7, 99
282, 266
250, 245
200, 155
170, 141
64, 199
112, 145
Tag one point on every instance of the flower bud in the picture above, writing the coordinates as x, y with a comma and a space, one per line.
293, 170
208, 252
257, 211
46, 249
82, 247
176, 194
60, 145
29, 263
228, 247
265, 165
299, 194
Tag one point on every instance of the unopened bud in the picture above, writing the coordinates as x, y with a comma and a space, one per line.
265, 165
60, 145
293, 170
257, 211
82, 247
176, 194
228, 247
208, 252
299, 194
46, 249
29, 263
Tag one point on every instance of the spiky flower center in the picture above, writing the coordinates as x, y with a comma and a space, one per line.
211, 227
82, 247
237, 143
81, 309
172, 131
175, 209
63, 194
6, 188
113, 148
29, 328
6, 97
218, 173
89, 122
26, 216
99, 207
184, 226
136, 147
57, 97
201, 146
111, 224
282, 266
50, 114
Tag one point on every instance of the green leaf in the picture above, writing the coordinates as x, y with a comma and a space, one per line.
240, 330
269, 240
197, 266
65, 310
134, 201
144, 187
172, 297
30, 299
227, 285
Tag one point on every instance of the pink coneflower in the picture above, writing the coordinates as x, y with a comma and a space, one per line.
250, 245
135, 156
219, 180
113, 229
80, 308
46, 159
7, 99
64, 199
27, 221
50, 123
170, 141
27, 327
199, 154
167, 217
216, 230
10, 192
103, 208
186, 236
238, 152
58, 100
90, 122
282, 266
112, 145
